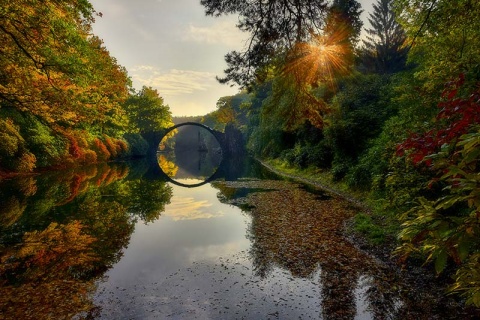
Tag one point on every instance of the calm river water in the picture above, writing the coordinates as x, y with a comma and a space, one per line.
140, 240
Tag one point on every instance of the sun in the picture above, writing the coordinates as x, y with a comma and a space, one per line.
322, 59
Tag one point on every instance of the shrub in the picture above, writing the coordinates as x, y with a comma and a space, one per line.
137, 146
444, 226
89, 156
26, 163
101, 150
111, 146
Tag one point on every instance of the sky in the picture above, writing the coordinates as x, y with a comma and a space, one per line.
172, 46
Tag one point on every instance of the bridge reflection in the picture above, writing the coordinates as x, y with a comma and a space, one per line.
190, 165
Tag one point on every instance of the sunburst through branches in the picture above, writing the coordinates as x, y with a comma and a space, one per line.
322, 59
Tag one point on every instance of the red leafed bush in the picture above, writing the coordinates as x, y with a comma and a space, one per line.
454, 119
74, 149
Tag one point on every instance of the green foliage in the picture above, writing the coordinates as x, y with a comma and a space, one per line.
229, 111
365, 225
447, 226
310, 149
444, 39
146, 111
148, 199
361, 107
267, 142
137, 146
349, 11
291, 104
467, 280
49, 147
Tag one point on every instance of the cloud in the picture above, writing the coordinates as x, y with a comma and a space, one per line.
173, 82
186, 208
187, 92
222, 32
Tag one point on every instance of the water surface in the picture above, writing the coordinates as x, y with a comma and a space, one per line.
136, 241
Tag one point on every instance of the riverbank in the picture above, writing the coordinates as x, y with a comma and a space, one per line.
370, 229
358, 231
316, 178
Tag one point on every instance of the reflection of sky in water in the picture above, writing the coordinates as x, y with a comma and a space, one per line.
205, 228
193, 263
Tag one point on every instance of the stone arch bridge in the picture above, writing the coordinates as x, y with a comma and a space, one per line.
231, 141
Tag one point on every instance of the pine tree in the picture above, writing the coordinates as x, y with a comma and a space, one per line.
384, 49
348, 12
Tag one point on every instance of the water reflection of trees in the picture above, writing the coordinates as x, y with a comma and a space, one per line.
167, 164
300, 237
61, 232
302, 232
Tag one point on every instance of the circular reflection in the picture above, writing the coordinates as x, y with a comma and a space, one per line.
191, 154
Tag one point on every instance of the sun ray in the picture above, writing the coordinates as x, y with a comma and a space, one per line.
323, 58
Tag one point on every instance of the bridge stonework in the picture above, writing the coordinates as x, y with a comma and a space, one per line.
231, 141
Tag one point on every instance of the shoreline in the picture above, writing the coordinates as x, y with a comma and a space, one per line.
414, 274
352, 199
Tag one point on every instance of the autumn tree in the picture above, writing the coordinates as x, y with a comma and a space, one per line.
384, 49
56, 79
51, 66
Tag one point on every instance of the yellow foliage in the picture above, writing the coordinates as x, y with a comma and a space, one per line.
168, 167
59, 247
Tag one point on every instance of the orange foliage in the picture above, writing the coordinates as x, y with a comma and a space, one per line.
103, 177
51, 253
122, 146
75, 188
111, 146
27, 162
74, 149
89, 157
44, 263
101, 150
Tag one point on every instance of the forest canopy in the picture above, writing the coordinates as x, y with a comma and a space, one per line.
62, 95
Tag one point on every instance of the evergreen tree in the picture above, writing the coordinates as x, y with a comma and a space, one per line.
384, 50
348, 12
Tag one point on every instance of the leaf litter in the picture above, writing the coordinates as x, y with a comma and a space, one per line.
300, 264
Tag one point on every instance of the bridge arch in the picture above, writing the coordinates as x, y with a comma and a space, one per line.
219, 136
217, 174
